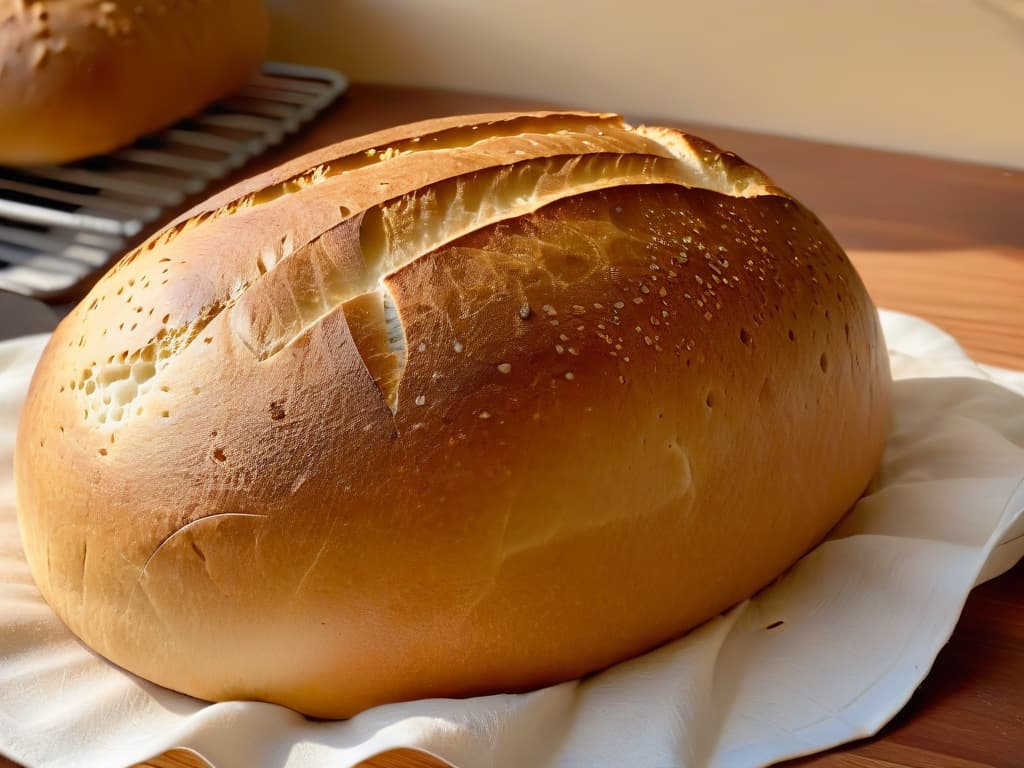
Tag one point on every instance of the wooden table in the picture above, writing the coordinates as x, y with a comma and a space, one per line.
942, 240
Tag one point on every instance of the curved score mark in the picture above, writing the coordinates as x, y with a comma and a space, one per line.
187, 527
458, 137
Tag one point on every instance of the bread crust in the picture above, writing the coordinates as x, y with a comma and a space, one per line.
82, 77
629, 383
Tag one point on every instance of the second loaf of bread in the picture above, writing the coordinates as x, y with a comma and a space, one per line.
81, 77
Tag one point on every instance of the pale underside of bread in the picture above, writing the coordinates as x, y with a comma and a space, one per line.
472, 405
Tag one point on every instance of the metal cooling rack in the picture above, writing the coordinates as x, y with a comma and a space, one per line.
61, 225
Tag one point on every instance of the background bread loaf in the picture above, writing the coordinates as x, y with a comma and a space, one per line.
80, 77
472, 405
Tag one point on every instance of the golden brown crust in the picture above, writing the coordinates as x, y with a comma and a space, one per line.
604, 388
81, 77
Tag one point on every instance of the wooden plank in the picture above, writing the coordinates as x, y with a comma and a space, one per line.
404, 758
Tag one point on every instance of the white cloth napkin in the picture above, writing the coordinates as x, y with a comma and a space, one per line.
863, 617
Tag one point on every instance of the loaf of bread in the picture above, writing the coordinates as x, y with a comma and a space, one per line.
80, 77
473, 405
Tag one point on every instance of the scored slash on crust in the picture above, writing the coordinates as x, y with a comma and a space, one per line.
400, 200
319, 278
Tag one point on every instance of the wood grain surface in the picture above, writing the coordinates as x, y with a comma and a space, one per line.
939, 239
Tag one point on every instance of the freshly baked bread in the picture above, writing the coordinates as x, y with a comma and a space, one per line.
80, 77
473, 405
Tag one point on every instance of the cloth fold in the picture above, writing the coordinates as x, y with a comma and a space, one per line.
828, 653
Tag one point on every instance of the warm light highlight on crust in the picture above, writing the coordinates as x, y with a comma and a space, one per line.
395, 233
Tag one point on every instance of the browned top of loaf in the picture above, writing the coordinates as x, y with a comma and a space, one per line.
261, 235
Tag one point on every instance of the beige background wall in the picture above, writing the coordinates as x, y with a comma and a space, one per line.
942, 77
